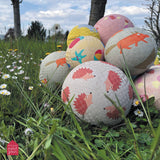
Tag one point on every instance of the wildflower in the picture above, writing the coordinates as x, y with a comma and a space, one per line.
20, 72
26, 78
46, 105
8, 66
39, 84
10, 50
28, 131
52, 109
11, 70
136, 102
3, 86
6, 76
44, 81
47, 53
5, 92
15, 50
138, 113
19, 67
14, 77
59, 46
30, 88
13, 63
20, 61
41, 59
31, 58
2, 141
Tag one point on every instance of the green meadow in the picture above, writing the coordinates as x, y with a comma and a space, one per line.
46, 129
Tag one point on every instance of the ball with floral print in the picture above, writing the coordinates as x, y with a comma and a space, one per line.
53, 69
110, 24
134, 47
90, 86
148, 85
82, 30
83, 49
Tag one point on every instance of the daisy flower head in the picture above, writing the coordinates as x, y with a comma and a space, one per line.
136, 102
138, 113
8, 66
3, 86
14, 77
28, 131
5, 92
20, 72
30, 88
26, 78
6, 76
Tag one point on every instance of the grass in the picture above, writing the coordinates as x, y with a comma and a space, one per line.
56, 132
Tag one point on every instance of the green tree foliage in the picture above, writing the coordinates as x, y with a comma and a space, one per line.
36, 31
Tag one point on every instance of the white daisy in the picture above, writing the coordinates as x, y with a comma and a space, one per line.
6, 76
3, 86
138, 113
14, 77
136, 102
30, 88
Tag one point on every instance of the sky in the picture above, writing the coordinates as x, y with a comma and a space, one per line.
67, 13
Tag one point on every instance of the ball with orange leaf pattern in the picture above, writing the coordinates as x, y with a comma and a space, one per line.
53, 69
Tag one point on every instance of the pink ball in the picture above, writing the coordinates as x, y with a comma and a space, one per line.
150, 81
110, 24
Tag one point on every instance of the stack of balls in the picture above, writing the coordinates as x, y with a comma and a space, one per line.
91, 69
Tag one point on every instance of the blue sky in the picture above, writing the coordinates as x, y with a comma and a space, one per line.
67, 13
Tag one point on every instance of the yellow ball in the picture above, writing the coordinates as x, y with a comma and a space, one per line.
82, 30
83, 49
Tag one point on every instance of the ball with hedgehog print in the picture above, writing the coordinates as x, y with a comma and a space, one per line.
87, 87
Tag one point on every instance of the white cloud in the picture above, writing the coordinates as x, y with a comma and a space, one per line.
66, 13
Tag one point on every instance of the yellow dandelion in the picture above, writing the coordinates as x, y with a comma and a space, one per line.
156, 62
15, 50
59, 46
52, 109
10, 50
47, 53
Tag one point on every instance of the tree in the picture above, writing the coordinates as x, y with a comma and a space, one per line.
153, 21
17, 23
36, 31
97, 11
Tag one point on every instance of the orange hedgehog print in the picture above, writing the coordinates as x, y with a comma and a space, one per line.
65, 94
113, 81
82, 103
113, 112
83, 73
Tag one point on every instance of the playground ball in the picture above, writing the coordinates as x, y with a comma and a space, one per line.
149, 81
110, 24
138, 48
82, 30
84, 48
53, 69
88, 88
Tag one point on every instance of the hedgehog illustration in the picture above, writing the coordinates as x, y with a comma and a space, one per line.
82, 103
113, 81
83, 73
